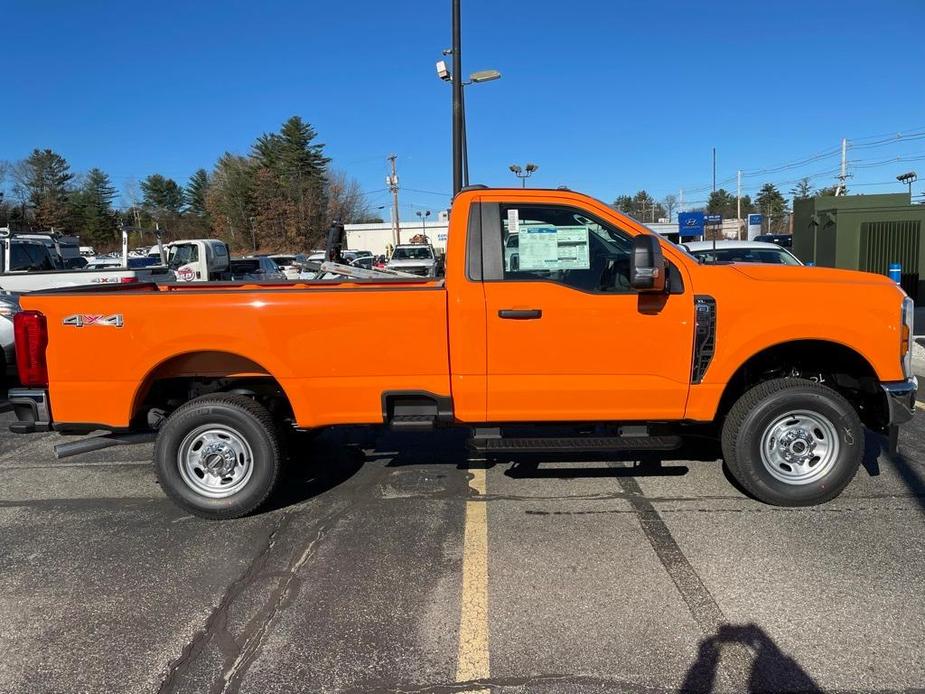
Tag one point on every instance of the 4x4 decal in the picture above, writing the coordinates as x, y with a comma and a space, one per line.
79, 320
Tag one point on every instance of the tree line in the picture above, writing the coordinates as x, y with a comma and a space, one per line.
281, 195
769, 201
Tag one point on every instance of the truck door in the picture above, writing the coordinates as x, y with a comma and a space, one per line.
567, 337
184, 259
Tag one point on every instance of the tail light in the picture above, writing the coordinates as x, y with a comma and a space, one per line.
30, 330
127, 280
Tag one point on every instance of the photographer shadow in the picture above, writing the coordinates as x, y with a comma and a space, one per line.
766, 666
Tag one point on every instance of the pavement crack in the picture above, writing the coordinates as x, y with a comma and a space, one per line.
736, 665
280, 598
217, 622
502, 683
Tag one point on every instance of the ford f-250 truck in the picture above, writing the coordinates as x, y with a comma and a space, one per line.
613, 337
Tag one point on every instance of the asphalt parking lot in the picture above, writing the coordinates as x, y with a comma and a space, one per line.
393, 563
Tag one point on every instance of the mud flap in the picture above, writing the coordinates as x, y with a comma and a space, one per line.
893, 440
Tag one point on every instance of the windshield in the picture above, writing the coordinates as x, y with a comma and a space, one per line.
412, 253
182, 255
746, 255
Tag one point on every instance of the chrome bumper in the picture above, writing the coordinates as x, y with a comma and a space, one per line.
31, 409
900, 400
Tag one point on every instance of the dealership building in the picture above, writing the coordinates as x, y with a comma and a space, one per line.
377, 237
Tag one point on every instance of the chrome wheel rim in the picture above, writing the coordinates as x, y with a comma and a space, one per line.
215, 461
799, 447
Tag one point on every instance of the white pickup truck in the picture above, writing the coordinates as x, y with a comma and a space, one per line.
414, 258
28, 264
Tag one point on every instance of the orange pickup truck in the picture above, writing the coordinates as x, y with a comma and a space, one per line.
554, 310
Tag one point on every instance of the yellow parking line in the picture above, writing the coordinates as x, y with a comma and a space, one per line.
920, 404
473, 624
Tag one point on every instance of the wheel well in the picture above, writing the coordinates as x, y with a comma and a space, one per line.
186, 376
829, 363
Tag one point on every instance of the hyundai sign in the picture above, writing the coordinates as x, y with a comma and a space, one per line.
754, 226
690, 224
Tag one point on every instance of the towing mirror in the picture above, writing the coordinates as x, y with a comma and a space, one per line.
337, 239
647, 264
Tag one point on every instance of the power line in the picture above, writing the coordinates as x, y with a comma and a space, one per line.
867, 141
429, 192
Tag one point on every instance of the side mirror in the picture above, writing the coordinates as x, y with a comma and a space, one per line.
337, 239
647, 264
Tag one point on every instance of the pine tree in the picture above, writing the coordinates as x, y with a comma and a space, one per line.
195, 193
772, 204
722, 202
161, 196
290, 184
93, 212
803, 189
47, 176
230, 199
624, 203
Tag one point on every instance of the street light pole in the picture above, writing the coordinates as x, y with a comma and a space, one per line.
458, 122
908, 178
465, 140
523, 173
423, 215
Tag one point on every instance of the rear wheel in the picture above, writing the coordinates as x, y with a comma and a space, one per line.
218, 456
793, 442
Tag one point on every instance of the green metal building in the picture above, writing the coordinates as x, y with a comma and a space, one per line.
863, 232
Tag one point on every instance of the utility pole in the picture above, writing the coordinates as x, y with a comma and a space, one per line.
714, 169
680, 200
843, 176
739, 200
457, 102
392, 182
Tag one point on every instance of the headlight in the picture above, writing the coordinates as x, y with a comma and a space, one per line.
905, 336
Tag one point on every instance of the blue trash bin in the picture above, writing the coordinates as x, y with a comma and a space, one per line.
895, 272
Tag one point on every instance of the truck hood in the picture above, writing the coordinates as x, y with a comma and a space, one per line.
800, 273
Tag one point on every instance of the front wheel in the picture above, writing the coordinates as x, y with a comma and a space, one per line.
218, 456
793, 442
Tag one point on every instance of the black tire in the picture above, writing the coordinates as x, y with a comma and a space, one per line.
762, 406
244, 418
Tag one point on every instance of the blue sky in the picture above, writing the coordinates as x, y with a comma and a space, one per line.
607, 97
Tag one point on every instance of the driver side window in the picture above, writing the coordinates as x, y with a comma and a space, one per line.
564, 245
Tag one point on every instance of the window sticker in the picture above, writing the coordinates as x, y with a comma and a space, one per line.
572, 243
513, 221
544, 247
538, 248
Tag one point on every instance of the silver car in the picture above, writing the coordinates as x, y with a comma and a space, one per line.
9, 307
725, 251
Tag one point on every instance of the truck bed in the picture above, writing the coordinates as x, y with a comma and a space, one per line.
52, 280
333, 346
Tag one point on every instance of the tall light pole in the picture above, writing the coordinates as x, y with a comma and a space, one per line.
458, 117
446, 75
909, 178
423, 214
523, 173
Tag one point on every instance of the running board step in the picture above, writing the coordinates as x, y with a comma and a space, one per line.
585, 444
